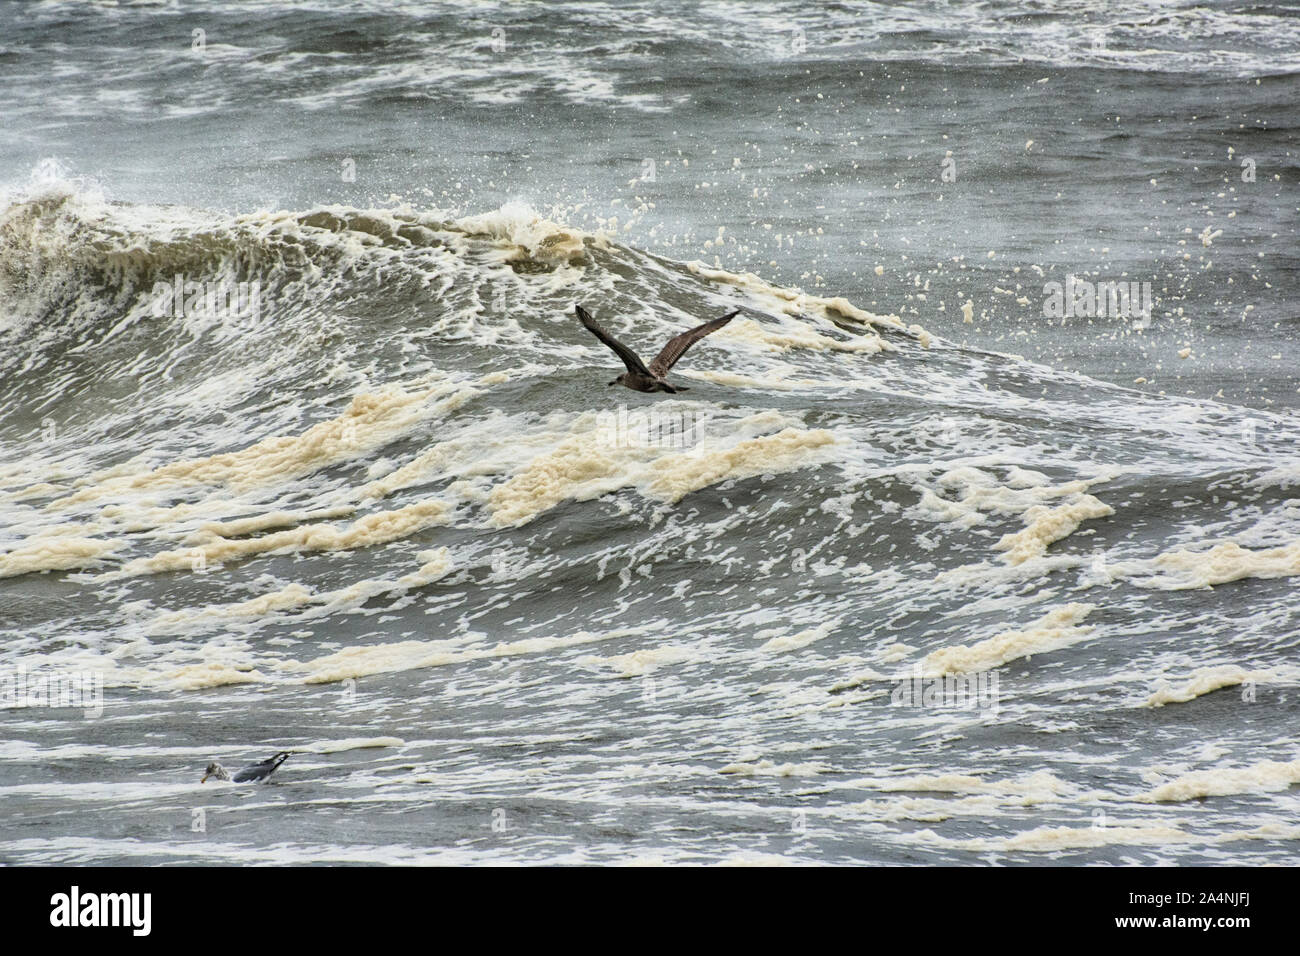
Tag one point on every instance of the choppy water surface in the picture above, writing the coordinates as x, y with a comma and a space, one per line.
383, 509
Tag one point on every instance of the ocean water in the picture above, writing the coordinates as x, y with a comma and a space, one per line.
939, 560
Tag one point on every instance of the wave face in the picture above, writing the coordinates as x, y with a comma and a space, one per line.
382, 506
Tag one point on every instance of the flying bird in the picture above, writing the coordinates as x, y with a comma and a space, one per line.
638, 376
254, 774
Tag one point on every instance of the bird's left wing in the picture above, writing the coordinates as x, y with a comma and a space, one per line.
630, 358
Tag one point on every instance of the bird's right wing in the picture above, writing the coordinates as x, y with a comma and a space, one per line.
678, 344
630, 358
260, 771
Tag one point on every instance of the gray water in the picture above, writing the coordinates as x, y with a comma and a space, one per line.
390, 516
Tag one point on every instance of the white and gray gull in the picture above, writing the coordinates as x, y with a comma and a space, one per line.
254, 774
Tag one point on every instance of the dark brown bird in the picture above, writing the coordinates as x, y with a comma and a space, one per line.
640, 378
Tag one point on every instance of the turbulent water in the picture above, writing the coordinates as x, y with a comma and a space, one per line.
302, 448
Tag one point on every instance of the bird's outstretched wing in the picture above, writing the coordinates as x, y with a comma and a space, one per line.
678, 344
630, 358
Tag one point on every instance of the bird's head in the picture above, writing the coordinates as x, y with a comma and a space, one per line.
214, 770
